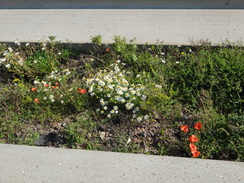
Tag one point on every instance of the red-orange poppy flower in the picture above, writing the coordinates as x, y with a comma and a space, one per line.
54, 87
46, 85
195, 154
198, 126
81, 90
193, 148
56, 84
184, 128
193, 138
33, 89
36, 100
108, 49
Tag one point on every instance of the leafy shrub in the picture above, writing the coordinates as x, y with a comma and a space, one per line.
218, 71
34, 60
60, 91
75, 133
224, 139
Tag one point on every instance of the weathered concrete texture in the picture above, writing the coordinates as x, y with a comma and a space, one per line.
111, 4
42, 164
77, 26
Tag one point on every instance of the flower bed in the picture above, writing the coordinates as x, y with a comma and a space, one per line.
124, 98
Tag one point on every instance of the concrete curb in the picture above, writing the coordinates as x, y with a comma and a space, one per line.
27, 164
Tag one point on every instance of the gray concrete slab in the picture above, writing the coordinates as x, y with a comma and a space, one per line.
19, 164
78, 25
123, 4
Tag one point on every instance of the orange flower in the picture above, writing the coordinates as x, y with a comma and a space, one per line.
195, 154
108, 49
193, 148
56, 84
33, 89
46, 85
184, 128
198, 126
54, 87
193, 138
36, 100
81, 90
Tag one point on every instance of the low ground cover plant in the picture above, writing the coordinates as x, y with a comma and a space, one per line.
123, 97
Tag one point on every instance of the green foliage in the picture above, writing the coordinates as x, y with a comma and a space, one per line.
224, 138
125, 52
44, 83
158, 102
218, 71
35, 60
75, 133
11, 118
97, 40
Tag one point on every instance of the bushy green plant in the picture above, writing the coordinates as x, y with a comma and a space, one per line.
222, 138
218, 71
97, 40
125, 52
34, 60
11, 116
158, 102
75, 133
60, 91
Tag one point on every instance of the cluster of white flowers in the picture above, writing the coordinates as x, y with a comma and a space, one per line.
3, 60
9, 53
12, 58
115, 92
17, 58
56, 75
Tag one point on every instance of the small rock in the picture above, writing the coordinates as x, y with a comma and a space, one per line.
38, 127
102, 135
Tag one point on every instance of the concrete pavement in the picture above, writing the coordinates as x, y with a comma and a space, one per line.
25, 164
172, 26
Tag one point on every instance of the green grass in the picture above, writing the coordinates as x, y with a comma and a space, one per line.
124, 97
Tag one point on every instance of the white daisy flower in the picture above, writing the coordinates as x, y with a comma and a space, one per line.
8, 66
36, 82
2, 59
146, 117
139, 119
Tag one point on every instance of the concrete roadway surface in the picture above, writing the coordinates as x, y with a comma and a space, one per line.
25, 164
